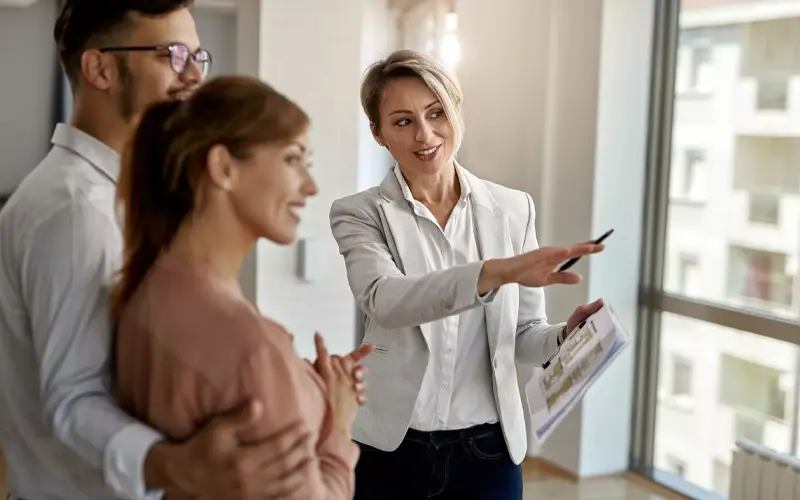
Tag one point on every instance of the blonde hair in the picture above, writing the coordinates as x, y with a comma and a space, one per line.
410, 63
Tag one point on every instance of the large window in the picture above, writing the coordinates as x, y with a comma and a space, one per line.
721, 310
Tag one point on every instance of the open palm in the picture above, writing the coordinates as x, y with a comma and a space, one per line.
540, 267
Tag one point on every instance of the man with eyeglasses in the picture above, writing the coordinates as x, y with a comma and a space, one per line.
63, 435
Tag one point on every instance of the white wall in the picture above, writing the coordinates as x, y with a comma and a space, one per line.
29, 66
624, 97
217, 31
314, 51
556, 100
379, 37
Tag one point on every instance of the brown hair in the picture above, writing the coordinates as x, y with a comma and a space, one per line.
166, 158
407, 63
86, 24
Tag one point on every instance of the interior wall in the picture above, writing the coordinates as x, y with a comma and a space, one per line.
217, 31
28, 88
321, 71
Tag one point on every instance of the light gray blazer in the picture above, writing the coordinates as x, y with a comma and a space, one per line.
377, 234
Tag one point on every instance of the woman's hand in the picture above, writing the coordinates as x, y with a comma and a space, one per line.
581, 313
337, 372
536, 268
358, 372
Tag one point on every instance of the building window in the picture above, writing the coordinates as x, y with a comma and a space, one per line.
690, 182
764, 209
681, 376
689, 274
756, 392
701, 71
773, 92
760, 276
695, 174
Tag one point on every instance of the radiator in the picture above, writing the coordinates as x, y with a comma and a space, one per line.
759, 473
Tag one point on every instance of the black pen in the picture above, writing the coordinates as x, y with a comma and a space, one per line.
558, 349
571, 262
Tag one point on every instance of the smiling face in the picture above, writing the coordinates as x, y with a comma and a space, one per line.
133, 71
269, 189
414, 127
147, 76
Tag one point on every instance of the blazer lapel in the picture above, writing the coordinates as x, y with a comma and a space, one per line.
494, 241
402, 224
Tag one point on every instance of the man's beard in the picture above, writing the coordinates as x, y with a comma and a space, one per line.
127, 94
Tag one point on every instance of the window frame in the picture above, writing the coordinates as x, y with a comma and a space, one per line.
653, 300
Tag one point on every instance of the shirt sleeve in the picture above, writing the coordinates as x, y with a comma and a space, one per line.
66, 273
277, 376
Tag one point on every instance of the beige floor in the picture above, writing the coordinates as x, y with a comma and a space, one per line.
545, 483
613, 488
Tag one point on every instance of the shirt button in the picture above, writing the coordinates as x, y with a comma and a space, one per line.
446, 385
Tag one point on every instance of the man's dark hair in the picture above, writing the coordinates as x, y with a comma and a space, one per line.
86, 24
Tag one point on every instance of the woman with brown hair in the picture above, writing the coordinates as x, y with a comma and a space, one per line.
202, 181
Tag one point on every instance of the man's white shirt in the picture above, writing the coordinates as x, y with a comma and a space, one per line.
62, 432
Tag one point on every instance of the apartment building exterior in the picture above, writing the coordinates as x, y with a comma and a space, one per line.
733, 235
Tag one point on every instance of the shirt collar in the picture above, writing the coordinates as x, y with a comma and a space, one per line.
462, 180
100, 155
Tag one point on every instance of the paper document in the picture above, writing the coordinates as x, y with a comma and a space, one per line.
574, 368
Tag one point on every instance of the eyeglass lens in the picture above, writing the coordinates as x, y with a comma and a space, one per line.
180, 57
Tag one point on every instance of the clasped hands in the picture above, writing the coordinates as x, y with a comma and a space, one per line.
350, 364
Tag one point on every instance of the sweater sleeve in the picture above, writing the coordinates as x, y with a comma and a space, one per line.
276, 376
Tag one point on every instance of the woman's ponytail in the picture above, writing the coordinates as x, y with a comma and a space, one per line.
153, 203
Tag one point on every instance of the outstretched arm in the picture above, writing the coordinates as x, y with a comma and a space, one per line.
395, 300
384, 293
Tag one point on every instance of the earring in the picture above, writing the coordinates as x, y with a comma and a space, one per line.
226, 185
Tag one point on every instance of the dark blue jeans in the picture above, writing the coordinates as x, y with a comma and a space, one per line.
469, 464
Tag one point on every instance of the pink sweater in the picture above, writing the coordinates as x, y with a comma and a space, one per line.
190, 345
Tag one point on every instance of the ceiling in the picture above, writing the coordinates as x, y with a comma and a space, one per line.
404, 5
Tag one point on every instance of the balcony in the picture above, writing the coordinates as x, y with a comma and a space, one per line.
763, 219
767, 106
742, 423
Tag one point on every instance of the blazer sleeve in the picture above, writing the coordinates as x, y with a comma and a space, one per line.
275, 375
387, 296
536, 338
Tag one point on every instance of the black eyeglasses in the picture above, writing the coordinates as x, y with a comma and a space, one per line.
180, 56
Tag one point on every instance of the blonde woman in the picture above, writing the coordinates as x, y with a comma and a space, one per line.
447, 272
